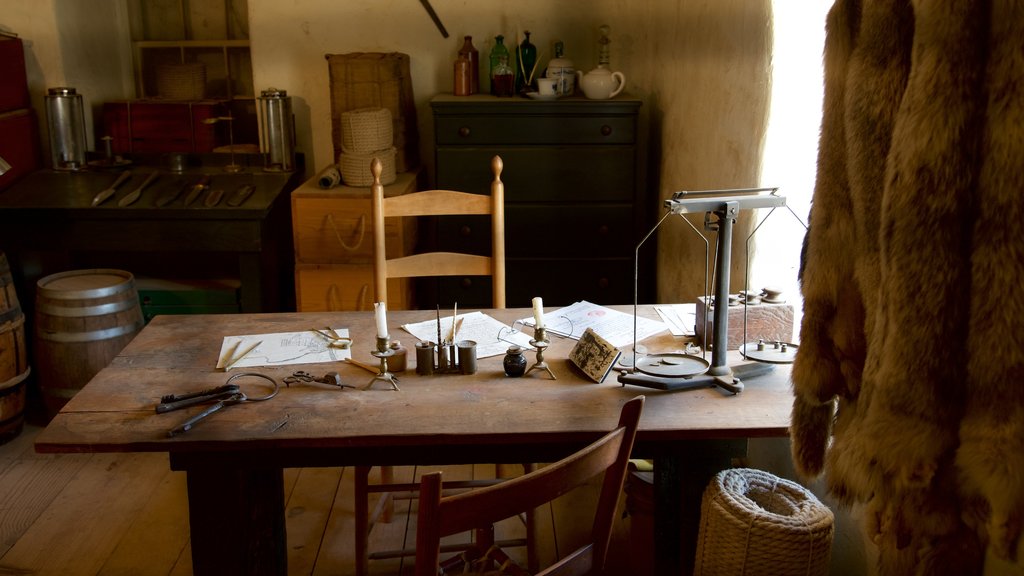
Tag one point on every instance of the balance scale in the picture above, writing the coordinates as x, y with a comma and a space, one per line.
678, 371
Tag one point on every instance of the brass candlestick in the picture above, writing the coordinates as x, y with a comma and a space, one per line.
383, 351
540, 342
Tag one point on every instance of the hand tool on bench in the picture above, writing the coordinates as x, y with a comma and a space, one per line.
134, 195
222, 396
102, 196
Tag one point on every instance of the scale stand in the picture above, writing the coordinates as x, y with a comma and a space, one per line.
725, 205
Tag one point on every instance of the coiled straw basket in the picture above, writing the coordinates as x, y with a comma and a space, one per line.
753, 522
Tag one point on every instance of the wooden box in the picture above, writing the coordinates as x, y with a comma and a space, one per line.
14, 84
145, 126
376, 80
332, 232
332, 288
765, 321
19, 145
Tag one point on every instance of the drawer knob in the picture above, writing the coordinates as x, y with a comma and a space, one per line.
606, 130
464, 131
602, 230
603, 283
465, 231
467, 283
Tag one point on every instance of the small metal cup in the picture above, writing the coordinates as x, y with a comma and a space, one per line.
424, 358
467, 356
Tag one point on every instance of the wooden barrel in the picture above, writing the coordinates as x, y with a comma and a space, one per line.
14, 367
83, 318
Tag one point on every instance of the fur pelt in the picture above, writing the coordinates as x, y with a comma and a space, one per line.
909, 381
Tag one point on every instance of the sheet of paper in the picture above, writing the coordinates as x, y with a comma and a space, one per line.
680, 318
283, 348
614, 326
491, 336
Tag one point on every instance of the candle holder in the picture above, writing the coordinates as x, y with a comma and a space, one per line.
540, 342
383, 351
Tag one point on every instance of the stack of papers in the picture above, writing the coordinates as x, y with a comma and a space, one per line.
616, 327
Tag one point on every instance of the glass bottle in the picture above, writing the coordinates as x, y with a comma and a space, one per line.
526, 65
470, 53
500, 85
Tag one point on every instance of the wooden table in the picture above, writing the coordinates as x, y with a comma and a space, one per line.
234, 460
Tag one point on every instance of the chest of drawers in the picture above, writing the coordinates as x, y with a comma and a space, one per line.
575, 201
333, 240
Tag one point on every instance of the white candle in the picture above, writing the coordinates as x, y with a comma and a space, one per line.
379, 311
538, 312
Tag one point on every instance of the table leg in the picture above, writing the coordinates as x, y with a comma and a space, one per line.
236, 520
679, 483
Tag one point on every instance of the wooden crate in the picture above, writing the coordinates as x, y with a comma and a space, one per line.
327, 288
376, 80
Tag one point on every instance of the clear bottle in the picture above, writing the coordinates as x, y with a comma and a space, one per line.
470, 53
501, 72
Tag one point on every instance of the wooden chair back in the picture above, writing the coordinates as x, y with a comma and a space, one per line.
440, 516
440, 203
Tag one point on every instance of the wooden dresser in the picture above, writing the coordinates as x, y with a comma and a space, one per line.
333, 237
575, 200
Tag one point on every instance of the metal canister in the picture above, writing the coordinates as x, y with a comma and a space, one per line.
65, 116
277, 131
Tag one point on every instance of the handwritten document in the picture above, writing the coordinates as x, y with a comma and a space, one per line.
614, 326
282, 348
491, 336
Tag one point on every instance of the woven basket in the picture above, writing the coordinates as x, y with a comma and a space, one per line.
366, 130
753, 522
355, 168
181, 81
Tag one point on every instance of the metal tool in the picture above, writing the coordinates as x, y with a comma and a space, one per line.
227, 395
177, 401
103, 195
334, 340
434, 17
213, 198
170, 196
241, 195
332, 378
134, 195
197, 189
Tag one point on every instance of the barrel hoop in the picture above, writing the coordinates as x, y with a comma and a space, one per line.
12, 314
20, 416
61, 392
128, 284
90, 336
12, 385
98, 310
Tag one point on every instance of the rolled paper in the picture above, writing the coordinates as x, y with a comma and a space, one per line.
538, 312
379, 312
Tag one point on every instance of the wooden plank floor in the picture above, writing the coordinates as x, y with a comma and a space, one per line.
126, 514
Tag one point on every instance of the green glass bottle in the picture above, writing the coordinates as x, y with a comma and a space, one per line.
501, 74
526, 65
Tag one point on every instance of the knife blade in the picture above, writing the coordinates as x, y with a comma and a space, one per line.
197, 189
241, 195
171, 195
134, 195
102, 196
213, 198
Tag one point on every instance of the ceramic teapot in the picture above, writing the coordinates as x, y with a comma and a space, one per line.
600, 83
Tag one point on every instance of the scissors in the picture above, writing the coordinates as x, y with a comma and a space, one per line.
334, 340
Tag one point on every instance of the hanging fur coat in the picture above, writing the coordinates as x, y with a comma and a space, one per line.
909, 381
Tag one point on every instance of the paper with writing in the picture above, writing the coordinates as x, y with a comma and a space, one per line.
283, 348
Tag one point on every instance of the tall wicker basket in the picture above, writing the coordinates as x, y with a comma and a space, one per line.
755, 523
